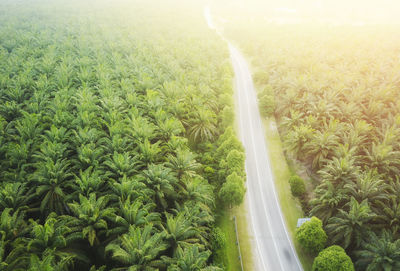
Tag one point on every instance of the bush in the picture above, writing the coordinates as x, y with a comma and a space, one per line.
297, 186
235, 162
333, 258
218, 239
227, 117
218, 245
312, 236
230, 143
267, 105
232, 191
261, 77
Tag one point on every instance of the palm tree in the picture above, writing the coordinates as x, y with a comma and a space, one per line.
296, 139
57, 134
389, 214
149, 153
28, 127
192, 259
161, 180
51, 150
323, 109
15, 196
139, 249
139, 129
379, 253
89, 181
184, 163
10, 110
19, 160
369, 187
179, 231
63, 73
12, 225
358, 135
395, 189
198, 191
201, 219
169, 127
320, 147
59, 110
51, 178
135, 213
89, 155
86, 135
202, 126
12, 251
52, 238
295, 119
328, 200
340, 171
48, 263
130, 188
14, 258
382, 157
349, 110
176, 143
122, 164
348, 228
91, 216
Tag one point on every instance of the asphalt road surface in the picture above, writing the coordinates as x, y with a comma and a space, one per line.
273, 249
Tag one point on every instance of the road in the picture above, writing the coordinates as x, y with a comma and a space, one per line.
273, 249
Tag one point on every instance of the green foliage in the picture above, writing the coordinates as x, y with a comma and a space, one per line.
350, 227
267, 105
191, 259
138, 249
218, 246
232, 191
333, 258
312, 236
345, 135
218, 239
380, 253
297, 186
235, 160
109, 135
227, 116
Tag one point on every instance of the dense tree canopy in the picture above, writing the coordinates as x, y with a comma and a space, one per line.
312, 236
336, 93
111, 116
333, 258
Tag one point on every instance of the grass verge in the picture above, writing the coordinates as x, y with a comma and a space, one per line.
226, 224
290, 206
244, 237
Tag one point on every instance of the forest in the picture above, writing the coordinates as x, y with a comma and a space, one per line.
117, 150
334, 91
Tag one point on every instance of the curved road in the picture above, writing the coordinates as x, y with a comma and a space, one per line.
273, 249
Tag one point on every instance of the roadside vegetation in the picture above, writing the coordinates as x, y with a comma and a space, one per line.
334, 92
116, 146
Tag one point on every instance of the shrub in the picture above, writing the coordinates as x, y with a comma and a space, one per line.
312, 236
235, 162
218, 239
227, 145
232, 191
333, 258
267, 105
227, 117
261, 77
218, 245
297, 186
